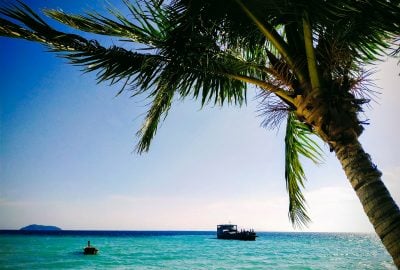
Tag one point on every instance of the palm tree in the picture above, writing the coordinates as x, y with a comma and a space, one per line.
307, 58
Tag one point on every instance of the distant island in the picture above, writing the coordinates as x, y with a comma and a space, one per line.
35, 227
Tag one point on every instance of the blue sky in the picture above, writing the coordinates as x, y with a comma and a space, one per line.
67, 155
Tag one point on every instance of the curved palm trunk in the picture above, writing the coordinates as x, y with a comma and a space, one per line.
379, 206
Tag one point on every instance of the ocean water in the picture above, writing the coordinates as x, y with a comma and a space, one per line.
190, 250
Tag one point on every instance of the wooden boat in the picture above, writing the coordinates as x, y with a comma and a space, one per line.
90, 250
230, 232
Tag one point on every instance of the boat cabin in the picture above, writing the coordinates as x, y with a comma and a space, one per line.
226, 228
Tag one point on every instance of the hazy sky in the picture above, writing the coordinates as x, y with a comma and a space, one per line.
67, 155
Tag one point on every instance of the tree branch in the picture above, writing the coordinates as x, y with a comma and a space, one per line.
264, 85
311, 60
276, 41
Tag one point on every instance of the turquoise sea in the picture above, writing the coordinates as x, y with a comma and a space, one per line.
190, 250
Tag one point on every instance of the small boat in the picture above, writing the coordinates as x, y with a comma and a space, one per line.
230, 232
89, 250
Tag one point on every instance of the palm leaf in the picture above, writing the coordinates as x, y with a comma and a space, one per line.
298, 143
147, 27
160, 106
197, 67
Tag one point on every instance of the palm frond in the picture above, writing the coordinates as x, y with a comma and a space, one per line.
367, 39
36, 29
298, 143
160, 106
146, 27
197, 66
114, 64
396, 49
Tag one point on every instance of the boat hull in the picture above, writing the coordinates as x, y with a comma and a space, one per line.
238, 236
90, 251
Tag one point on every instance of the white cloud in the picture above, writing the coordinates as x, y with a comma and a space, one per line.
337, 209
332, 209
391, 177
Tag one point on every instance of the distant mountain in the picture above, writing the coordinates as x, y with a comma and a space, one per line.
35, 227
